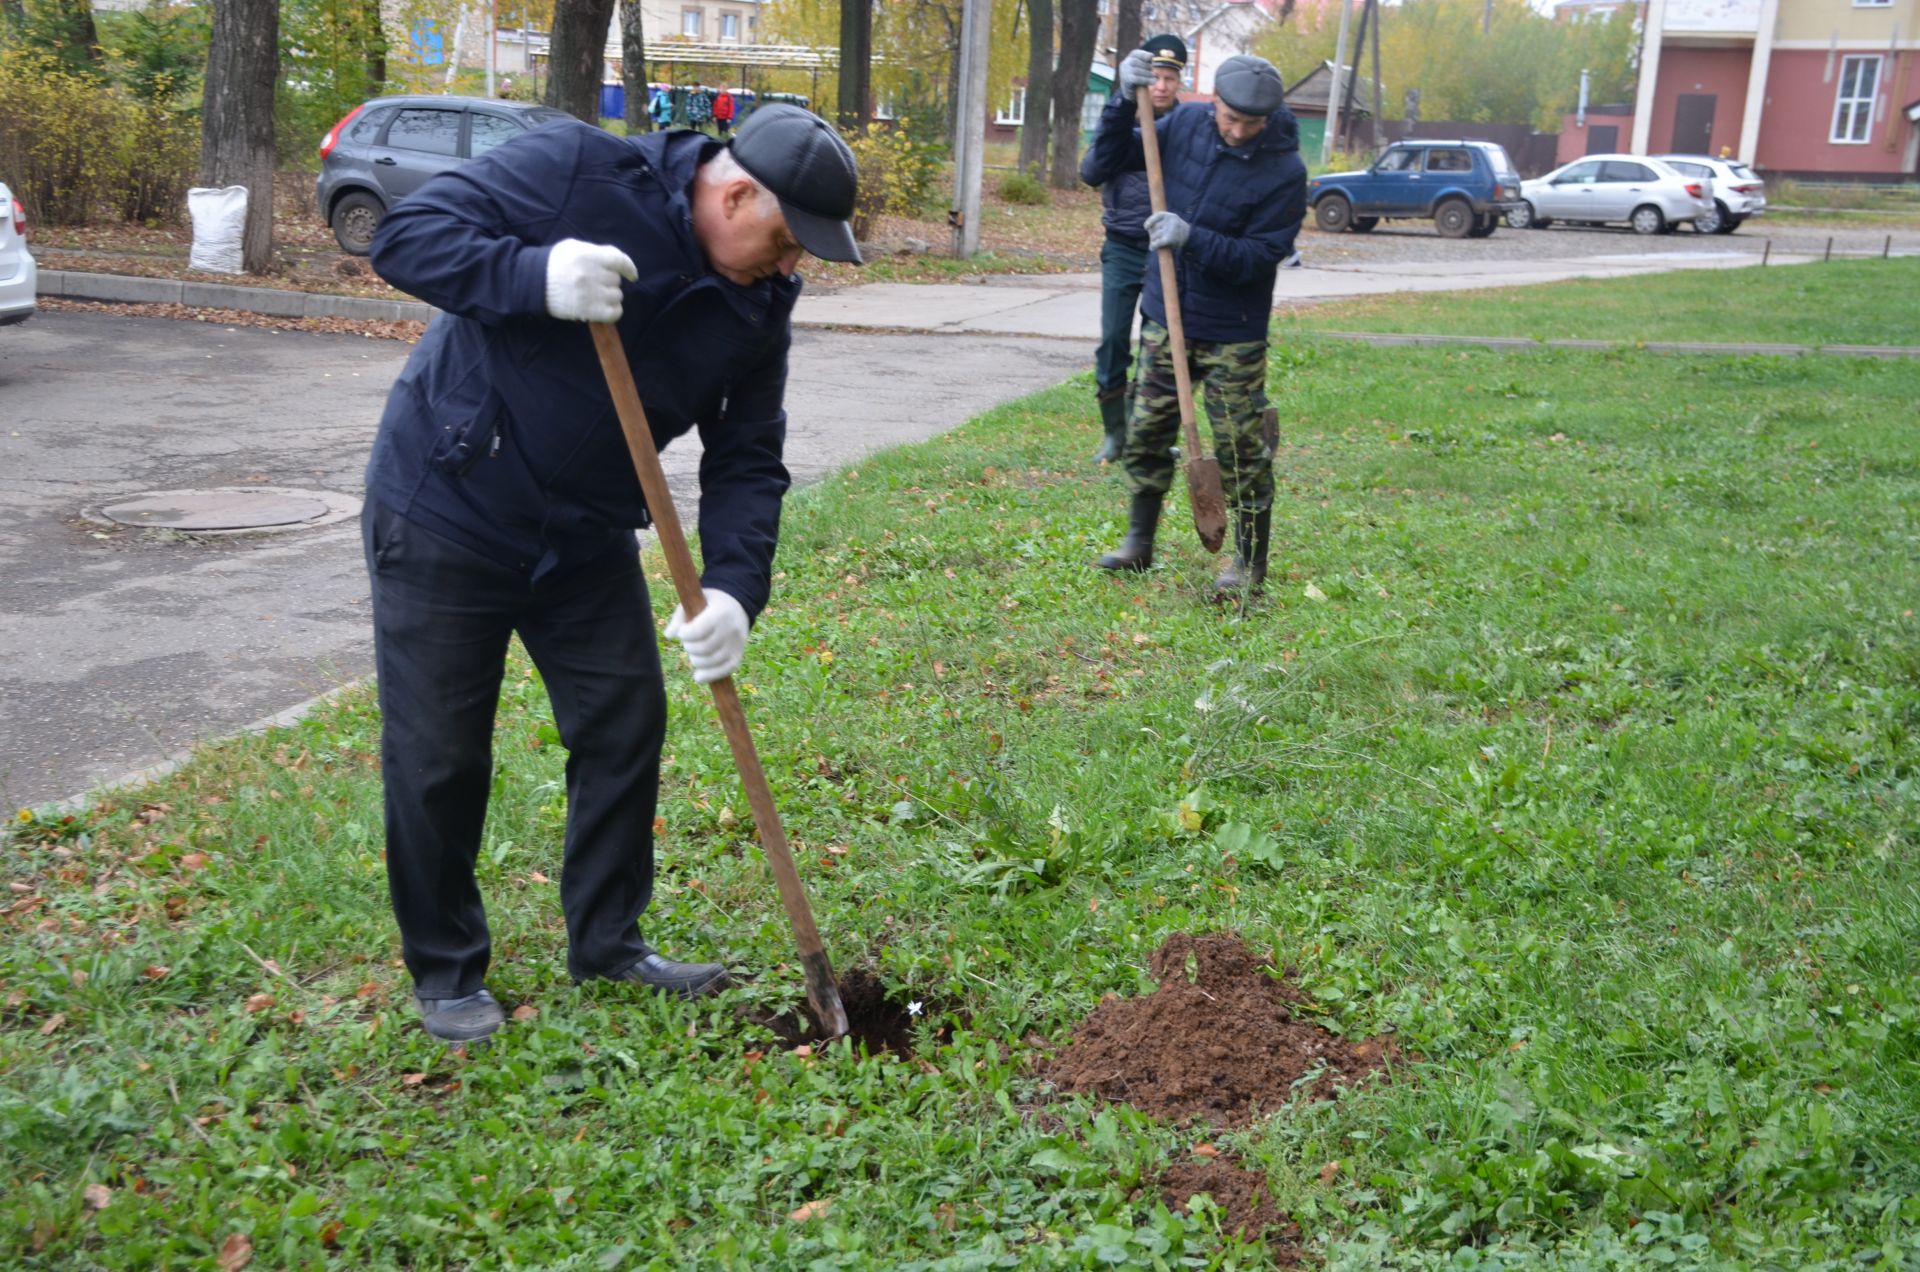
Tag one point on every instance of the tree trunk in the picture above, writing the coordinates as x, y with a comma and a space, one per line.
633, 68
1126, 30
579, 56
1033, 131
376, 46
236, 114
856, 65
1079, 26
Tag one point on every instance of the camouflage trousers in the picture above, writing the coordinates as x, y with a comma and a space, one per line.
1235, 378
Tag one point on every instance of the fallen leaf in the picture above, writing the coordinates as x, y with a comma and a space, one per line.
259, 1002
236, 1252
1313, 593
155, 971
330, 1233
838, 850
537, 877
97, 1195
812, 1210
78, 976
1205, 1150
413, 1079
54, 1021
194, 860
1328, 1172
803, 1051
525, 1011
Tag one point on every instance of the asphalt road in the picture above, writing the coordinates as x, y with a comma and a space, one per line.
121, 648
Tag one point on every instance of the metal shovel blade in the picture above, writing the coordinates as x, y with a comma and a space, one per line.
1209, 505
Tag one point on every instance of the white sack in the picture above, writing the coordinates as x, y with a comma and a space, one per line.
219, 228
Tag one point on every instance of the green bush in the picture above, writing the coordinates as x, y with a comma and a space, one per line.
76, 148
899, 175
1024, 187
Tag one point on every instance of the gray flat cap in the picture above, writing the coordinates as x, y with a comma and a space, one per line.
1249, 85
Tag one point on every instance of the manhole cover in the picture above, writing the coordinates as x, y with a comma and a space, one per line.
213, 510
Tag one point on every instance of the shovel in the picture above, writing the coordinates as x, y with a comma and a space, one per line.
1203, 471
823, 994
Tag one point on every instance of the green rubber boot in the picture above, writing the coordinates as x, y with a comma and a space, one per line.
1113, 422
1247, 572
1135, 552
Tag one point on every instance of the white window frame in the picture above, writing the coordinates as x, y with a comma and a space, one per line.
1873, 4
732, 19
1014, 113
1850, 108
1091, 107
691, 21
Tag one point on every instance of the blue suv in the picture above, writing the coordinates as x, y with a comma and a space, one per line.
1465, 186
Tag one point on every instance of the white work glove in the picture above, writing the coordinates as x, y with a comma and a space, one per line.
715, 638
1164, 229
1136, 72
1292, 262
583, 280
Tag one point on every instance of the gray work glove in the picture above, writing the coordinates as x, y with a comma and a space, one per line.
1164, 229
1136, 72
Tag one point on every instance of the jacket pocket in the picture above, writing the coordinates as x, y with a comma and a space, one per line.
478, 440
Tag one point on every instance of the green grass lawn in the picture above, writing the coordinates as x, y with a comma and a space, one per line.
1574, 745
1841, 302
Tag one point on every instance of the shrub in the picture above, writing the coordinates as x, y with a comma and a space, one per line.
899, 176
1024, 187
75, 147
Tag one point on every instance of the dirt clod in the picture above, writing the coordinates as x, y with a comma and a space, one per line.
1143, 1052
1246, 1209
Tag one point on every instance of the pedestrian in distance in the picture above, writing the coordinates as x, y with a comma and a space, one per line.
723, 112
502, 499
1124, 208
1236, 196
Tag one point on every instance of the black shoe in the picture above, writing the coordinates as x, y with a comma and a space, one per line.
467, 1019
682, 980
1113, 423
1135, 552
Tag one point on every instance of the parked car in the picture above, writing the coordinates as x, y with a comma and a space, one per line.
1613, 189
1465, 186
1738, 191
386, 148
19, 277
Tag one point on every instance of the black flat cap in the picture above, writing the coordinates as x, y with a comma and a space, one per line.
1168, 50
1249, 85
801, 159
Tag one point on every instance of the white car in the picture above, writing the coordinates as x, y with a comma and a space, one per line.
19, 278
1614, 189
1738, 191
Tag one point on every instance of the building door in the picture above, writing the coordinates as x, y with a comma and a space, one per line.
1603, 139
1693, 124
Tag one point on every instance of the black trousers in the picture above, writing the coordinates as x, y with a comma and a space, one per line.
442, 616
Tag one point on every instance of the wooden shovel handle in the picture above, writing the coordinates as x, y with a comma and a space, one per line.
1169, 276
823, 993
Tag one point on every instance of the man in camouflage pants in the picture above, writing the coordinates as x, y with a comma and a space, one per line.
1236, 196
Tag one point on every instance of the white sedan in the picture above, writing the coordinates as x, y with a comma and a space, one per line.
1738, 191
19, 278
1614, 189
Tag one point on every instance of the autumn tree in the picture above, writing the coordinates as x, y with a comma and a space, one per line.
1079, 27
578, 56
633, 67
236, 115
1034, 132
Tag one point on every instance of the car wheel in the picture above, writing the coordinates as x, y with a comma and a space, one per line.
1710, 221
1364, 224
1453, 218
1520, 216
1648, 219
1732, 223
355, 217
1484, 226
1333, 213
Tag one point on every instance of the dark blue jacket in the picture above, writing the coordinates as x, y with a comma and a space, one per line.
1125, 202
1245, 205
500, 432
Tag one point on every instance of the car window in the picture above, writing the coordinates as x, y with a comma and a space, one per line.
1691, 169
368, 126
1743, 172
1619, 170
1579, 174
490, 130
1449, 159
1501, 161
1398, 160
437, 132
535, 118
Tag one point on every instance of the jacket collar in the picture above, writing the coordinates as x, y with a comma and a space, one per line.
676, 158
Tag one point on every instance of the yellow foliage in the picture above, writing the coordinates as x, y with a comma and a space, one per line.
74, 147
898, 176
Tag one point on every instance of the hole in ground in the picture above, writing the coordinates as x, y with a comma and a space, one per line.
876, 1020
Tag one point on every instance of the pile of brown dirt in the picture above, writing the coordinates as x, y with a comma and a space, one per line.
1218, 1040
1245, 1208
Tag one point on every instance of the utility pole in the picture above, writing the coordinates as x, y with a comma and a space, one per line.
493, 40
1333, 91
1486, 18
970, 133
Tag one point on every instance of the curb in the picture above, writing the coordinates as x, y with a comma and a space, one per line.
72, 284
1405, 340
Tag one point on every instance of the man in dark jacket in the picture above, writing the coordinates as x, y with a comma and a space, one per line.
501, 497
1236, 195
1125, 205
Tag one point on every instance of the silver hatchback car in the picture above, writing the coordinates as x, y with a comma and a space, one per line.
19, 276
385, 149
1614, 189
1738, 191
